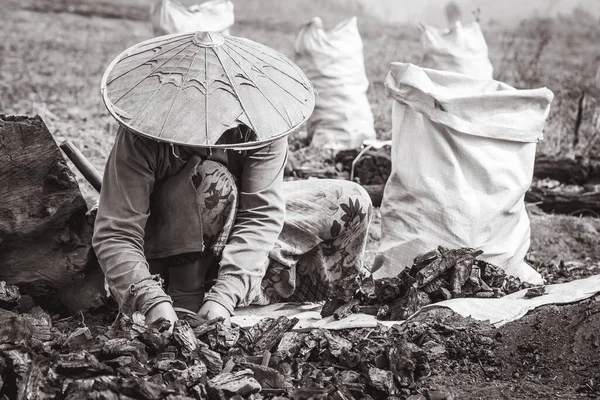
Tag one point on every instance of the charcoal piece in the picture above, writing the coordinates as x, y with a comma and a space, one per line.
210, 358
411, 303
368, 310
154, 341
120, 347
188, 377
335, 343
424, 260
390, 289
166, 365
289, 345
129, 327
345, 309
491, 274
345, 288
269, 378
440, 295
134, 387
511, 285
266, 334
128, 365
367, 291
483, 287
14, 330
435, 285
161, 325
184, 336
350, 358
382, 381
229, 384
229, 365
312, 393
330, 307
535, 292
25, 327
460, 274
28, 373
341, 392
347, 377
447, 260
221, 337
82, 389
78, 338
314, 342
407, 361
384, 312
202, 326
81, 364
266, 358
9, 295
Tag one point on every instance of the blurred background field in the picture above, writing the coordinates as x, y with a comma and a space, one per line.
53, 55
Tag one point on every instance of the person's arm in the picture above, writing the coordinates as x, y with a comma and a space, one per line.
119, 228
258, 223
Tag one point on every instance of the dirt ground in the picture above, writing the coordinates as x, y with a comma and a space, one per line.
51, 65
550, 353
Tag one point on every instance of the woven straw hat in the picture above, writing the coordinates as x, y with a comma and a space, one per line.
188, 89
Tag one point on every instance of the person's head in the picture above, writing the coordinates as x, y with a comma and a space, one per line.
239, 135
453, 13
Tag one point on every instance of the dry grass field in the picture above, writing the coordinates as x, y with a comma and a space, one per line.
51, 63
52, 60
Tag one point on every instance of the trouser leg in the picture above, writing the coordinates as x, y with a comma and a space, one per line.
319, 253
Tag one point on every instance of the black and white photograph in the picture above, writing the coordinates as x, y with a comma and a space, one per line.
299, 199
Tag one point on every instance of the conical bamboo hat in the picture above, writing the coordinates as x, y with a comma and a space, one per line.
189, 88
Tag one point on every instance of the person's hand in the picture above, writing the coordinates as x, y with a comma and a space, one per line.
162, 310
211, 310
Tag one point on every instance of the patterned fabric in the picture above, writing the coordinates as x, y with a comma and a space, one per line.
217, 200
319, 251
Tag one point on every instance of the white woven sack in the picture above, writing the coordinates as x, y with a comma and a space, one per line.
463, 152
170, 16
333, 62
462, 49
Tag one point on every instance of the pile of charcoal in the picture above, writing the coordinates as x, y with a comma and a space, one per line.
438, 275
129, 360
113, 356
120, 357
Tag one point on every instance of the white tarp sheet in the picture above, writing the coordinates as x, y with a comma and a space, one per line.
497, 311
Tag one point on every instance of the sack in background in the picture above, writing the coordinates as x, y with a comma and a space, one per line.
333, 62
170, 16
463, 152
462, 49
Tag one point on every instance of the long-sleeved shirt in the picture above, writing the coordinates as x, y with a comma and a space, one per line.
136, 170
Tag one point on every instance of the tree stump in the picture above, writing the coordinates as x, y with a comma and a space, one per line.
45, 241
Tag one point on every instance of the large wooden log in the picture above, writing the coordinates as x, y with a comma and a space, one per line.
45, 241
563, 202
578, 171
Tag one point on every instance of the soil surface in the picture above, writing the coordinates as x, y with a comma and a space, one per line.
553, 352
